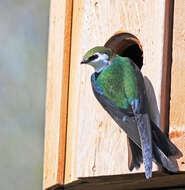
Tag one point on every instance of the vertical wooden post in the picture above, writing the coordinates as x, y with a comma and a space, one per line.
167, 62
57, 91
177, 104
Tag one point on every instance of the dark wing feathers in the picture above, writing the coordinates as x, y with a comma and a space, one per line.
135, 158
131, 121
162, 159
127, 123
143, 125
163, 142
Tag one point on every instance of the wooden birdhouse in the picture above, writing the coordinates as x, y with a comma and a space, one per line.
84, 147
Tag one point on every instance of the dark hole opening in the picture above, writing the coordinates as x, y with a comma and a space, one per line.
127, 45
135, 54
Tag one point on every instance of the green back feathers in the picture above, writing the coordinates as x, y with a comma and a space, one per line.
119, 82
98, 49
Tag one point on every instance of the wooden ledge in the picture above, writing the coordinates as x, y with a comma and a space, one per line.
125, 181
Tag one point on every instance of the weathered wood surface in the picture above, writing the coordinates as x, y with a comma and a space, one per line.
177, 106
95, 144
57, 91
128, 182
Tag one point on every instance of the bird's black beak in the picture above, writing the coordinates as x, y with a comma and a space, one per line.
84, 62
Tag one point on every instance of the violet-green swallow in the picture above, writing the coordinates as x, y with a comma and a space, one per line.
119, 87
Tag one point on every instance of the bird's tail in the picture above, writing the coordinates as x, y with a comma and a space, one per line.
162, 147
135, 158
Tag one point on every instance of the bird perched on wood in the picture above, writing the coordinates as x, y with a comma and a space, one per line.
119, 87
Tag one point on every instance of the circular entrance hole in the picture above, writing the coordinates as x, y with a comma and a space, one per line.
127, 45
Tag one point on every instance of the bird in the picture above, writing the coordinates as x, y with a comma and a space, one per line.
118, 85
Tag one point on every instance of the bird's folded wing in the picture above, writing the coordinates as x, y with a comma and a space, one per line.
143, 125
125, 120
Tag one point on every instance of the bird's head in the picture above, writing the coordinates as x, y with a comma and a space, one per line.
99, 57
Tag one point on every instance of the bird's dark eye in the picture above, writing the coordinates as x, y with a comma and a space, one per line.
93, 57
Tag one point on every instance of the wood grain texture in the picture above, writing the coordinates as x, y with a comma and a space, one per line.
128, 182
177, 105
57, 91
95, 144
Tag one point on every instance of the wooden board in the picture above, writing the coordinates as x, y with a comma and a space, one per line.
177, 106
128, 182
57, 91
95, 144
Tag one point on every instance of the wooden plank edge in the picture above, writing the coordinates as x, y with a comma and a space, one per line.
128, 181
65, 92
167, 65
60, 171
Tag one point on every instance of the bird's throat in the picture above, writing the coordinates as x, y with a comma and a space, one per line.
101, 66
